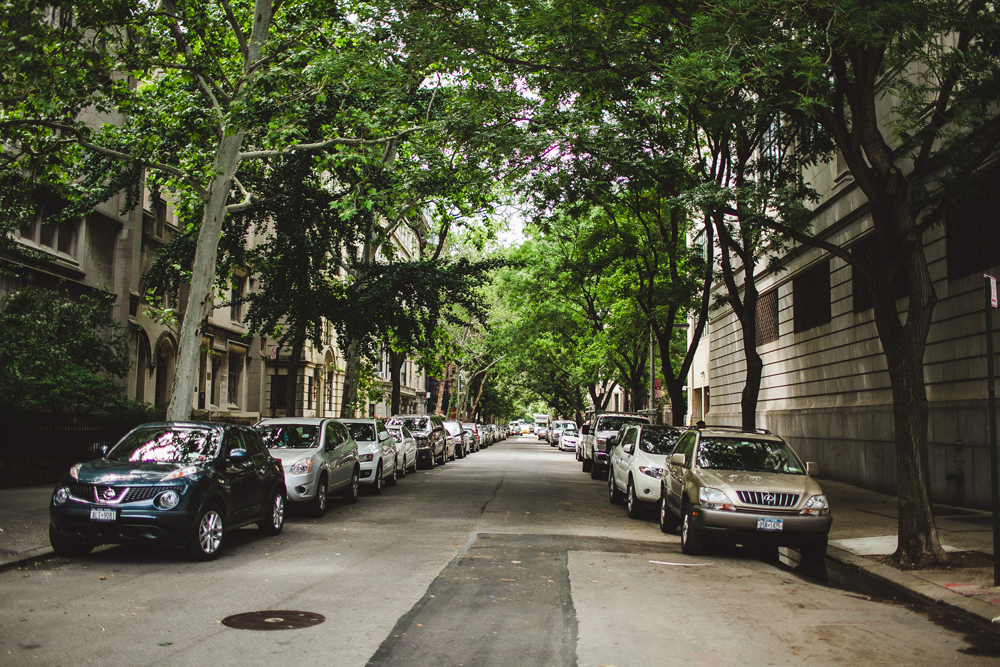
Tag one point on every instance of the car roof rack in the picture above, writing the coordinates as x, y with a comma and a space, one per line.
726, 427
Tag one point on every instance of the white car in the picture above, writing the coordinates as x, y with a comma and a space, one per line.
637, 463
569, 439
376, 451
406, 449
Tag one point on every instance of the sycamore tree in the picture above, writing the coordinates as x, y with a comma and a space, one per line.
182, 94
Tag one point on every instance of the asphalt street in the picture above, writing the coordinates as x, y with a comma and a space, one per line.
510, 557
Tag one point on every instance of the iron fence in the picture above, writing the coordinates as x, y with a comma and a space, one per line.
39, 449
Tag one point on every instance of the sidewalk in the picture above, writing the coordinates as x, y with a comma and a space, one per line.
864, 527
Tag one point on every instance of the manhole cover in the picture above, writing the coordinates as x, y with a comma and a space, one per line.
276, 619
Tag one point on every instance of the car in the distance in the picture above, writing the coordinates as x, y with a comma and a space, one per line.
475, 440
376, 452
595, 439
638, 459
459, 440
319, 458
569, 440
557, 428
173, 484
428, 431
406, 448
744, 487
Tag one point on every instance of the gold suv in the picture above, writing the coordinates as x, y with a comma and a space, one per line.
743, 487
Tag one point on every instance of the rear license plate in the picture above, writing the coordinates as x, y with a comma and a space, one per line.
770, 524
104, 514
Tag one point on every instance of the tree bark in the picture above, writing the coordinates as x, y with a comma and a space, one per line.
352, 367
292, 378
396, 361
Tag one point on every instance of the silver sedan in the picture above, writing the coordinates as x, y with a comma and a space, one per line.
406, 449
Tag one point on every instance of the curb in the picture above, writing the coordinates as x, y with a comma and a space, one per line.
846, 566
14, 561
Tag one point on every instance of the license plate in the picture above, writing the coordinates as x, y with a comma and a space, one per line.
770, 524
105, 514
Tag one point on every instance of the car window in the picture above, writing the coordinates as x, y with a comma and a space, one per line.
748, 454
405, 431
167, 444
333, 438
686, 447
289, 436
251, 441
397, 434
658, 441
342, 430
418, 424
383, 433
361, 431
628, 437
615, 423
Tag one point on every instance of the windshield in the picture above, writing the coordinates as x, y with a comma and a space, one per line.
452, 428
744, 454
658, 441
420, 424
570, 433
167, 444
361, 432
615, 423
397, 434
289, 436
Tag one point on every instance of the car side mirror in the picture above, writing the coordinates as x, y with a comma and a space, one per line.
585, 430
629, 448
812, 468
612, 441
237, 455
678, 460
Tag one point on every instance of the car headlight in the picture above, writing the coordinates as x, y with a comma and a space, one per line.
74, 472
656, 473
364, 458
180, 472
816, 506
168, 500
714, 499
301, 467
61, 496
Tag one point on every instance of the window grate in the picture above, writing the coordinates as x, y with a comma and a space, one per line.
767, 317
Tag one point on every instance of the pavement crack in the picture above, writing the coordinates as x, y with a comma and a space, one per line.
496, 490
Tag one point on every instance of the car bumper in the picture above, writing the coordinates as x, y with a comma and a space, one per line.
647, 489
168, 528
742, 527
300, 488
368, 471
424, 456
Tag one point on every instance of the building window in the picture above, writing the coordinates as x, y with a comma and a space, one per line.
972, 233
235, 305
214, 378
235, 378
58, 238
278, 392
767, 317
329, 391
309, 392
811, 297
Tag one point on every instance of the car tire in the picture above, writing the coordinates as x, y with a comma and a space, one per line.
615, 496
444, 456
394, 477
692, 542
274, 522
454, 455
62, 546
596, 471
668, 520
317, 506
587, 465
414, 463
209, 534
376, 485
635, 507
353, 490
460, 453
402, 471
813, 552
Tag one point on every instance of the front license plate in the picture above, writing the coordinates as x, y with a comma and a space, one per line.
770, 524
105, 514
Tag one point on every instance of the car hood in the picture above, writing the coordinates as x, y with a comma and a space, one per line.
117, 473
291, 455
740, 480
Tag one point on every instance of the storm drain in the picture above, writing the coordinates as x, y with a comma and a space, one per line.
275, 619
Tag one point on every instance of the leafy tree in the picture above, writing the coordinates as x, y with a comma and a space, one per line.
61, 355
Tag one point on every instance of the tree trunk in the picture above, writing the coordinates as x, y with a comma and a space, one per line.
199, 302
442, 385
352, 367
479, 394
396, 361
292, 378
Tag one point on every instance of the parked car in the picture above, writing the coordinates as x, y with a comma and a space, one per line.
479, 431
595, 439
557, 428
474, 437
319, 458
638, 459
459, 439
745, 487
376, 452
569, 440
542, 431
406, 448
174, 484
428, 431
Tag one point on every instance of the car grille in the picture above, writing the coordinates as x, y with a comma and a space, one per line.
767, 499
132, 494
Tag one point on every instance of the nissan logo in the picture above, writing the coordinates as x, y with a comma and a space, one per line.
109, 493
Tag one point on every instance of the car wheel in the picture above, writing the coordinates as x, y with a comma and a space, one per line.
596, 471
394, 477
353, 489
414, 463
377, 483
454, 455
460, 452
614, 495
692, 542
587, 465
209, 534
275, 519
635, 508
402, 471
444, 456
813, 552
317, 507
67, 546
668, 522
